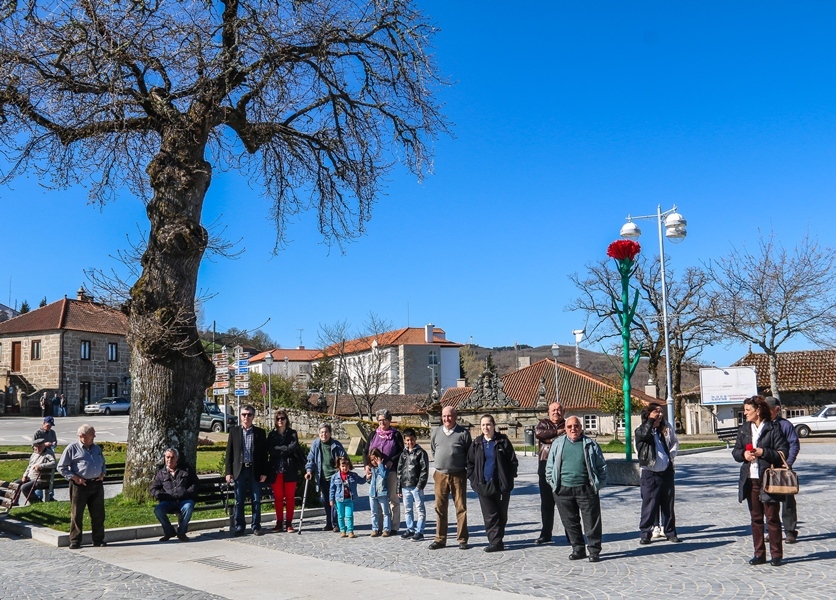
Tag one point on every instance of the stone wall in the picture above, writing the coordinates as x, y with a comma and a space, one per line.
98, 370
307, 424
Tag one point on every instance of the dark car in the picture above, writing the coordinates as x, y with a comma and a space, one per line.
212, 418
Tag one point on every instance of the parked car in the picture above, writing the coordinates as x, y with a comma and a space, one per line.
212, 418
106, 406
820, 422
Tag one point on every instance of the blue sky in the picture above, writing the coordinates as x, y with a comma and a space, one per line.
568, 116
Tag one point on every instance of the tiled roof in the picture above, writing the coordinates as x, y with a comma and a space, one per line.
397, 404
76, 315
803, 371
293, 355
578, 388
407, 336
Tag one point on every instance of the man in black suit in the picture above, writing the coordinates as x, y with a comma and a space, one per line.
247, 465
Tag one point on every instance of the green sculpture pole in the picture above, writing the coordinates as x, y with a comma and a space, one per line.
624, 252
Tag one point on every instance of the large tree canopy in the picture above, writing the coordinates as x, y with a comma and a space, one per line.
308, 98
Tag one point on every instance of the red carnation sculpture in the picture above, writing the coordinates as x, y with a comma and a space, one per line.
623, 250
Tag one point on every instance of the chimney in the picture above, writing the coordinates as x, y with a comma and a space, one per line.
300, 348
461, 383
428, 333
81, 295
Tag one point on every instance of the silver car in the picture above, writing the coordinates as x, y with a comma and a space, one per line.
116, 405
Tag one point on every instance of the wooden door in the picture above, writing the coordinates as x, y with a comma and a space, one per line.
16, 357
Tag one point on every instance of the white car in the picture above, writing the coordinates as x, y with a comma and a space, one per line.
821, 422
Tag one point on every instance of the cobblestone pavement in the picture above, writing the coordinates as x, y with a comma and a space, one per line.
33, 570
711, 560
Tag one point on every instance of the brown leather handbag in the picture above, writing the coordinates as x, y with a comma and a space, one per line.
780, 481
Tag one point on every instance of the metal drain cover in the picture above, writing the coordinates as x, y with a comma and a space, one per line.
220, 563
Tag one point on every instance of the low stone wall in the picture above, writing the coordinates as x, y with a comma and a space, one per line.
307, 423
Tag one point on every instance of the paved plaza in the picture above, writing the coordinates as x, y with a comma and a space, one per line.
710, 562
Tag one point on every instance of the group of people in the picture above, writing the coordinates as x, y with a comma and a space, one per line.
54, 407
571, 472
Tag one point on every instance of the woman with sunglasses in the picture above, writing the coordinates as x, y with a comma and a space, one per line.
283, 448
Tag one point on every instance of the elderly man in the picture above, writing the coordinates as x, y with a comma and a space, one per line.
546, 432
576, 470
39, 469
789, 509
247, 465
83, 464
450, 444
321, 466
47, 432
175, 487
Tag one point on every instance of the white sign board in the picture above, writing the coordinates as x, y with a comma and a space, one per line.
731, 385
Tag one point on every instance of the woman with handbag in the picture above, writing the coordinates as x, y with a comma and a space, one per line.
491, 469
758, 446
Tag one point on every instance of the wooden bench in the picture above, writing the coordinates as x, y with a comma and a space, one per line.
726, 434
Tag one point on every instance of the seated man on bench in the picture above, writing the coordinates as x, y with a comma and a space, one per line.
40, 468
175, 486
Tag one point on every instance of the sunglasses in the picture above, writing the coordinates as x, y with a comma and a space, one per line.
243, 415
573, 427
281, 418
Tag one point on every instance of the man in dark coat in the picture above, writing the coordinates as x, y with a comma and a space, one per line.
247, 465
789, 508
175, 487
546, 431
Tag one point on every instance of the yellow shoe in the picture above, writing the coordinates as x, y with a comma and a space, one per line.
343, 534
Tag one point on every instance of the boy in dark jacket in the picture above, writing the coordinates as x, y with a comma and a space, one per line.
413, 471
175, 487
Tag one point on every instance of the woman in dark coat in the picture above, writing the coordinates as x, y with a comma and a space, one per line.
759, 441
283, 450
491, 469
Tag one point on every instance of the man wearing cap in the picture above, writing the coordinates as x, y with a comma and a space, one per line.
47, 432
40, 465
83, 464
789, 509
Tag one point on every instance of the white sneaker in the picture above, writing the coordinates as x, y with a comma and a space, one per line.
657, 532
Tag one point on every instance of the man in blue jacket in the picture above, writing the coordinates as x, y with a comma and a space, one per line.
789, 509
576, 470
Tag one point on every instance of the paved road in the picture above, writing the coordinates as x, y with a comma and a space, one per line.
19, 430
711, 561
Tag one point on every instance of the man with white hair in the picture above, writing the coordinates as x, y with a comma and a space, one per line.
83, 464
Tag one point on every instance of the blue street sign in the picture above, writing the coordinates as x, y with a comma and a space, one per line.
242, 370
242, 392
244, 363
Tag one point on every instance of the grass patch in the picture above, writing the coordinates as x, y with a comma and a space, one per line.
119, 512
614, 446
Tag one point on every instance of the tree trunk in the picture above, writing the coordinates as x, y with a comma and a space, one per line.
169, 369
773, 373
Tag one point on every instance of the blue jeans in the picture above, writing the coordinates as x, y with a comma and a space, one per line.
413, 500
247, 482
383, 503
345, 514
183, 509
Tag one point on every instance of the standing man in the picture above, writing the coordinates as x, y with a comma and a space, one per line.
247, 465
175, 487
656, 446
44, 405
321, 466
576, 470
546, 431
789, 508
450, 444
83, 464
63, 405
56, 405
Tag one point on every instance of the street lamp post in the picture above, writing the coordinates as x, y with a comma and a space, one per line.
556, 353
268, 360
675, 231
578, 333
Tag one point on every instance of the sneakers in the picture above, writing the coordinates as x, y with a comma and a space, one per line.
407, 534
463, 546
385, 534
657, 533
351, 534
290, 529
436, 545
343, 534
417, 537
375, 534
645, 540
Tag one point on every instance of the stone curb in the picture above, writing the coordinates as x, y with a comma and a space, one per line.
61, 539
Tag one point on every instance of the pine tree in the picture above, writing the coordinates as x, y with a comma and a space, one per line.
24, 307
43, 302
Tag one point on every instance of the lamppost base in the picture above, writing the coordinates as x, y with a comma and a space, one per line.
621, 471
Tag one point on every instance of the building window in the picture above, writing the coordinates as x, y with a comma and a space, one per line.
795, 412
83, 394
112, 352
36, 349
433, 357
590, 422
741, 418
112, 389
85, 350
619, 423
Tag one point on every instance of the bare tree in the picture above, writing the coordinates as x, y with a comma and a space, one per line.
768, 296
690, 330
306, 99
369, 366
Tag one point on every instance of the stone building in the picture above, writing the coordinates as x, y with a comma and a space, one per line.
76, 347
